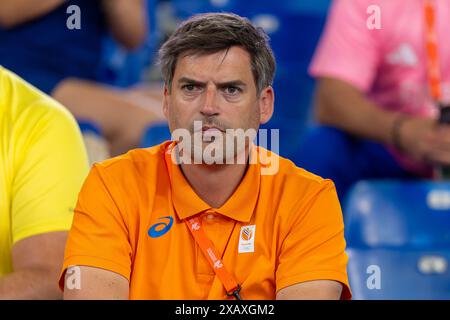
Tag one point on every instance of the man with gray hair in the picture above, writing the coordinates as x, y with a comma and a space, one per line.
149, 227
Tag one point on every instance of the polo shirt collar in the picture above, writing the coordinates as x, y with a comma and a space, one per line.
239, 206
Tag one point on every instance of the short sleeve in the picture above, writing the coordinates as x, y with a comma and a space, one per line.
314, 246
50, 164
99, 234
348, 49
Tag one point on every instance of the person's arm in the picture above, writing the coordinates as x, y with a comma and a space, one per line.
127, 20
36, 264
312, 290
346, 63
95, 284
342, 105
98, 242
15, 12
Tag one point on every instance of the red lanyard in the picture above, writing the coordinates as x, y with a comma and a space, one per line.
231, 286
431, 38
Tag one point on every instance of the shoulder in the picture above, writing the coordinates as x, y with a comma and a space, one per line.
301, 201
143, 164
26, 104
37, 128
126, 182
294, 188
280, 170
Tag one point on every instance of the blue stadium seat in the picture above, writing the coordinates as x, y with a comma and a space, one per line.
402, 274
403, 229
155, 134
88, 126
394, 214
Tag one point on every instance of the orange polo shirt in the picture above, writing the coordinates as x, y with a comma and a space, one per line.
273, 232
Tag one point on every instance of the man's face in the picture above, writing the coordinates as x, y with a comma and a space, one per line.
219, 90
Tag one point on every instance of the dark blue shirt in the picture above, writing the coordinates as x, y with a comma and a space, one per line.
44, 51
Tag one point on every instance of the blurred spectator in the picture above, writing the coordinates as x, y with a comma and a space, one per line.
376, 109
37, 43
42, 166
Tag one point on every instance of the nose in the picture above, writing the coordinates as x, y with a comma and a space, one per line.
210, 104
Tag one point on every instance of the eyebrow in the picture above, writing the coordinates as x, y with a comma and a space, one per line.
233, 83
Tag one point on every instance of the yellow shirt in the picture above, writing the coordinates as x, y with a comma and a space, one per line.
43, 164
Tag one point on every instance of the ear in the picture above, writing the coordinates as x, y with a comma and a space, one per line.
166, 99
266, 103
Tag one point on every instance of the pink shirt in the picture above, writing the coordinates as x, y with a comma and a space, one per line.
388, 64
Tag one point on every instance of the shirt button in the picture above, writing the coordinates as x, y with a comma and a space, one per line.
210, 216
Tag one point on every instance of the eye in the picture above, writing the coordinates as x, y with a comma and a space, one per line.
190, 88
231, 90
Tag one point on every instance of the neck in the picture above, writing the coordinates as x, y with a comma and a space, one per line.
214, 184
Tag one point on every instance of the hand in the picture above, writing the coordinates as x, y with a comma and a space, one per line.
425, 140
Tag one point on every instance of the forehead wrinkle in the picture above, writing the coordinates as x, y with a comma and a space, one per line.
225, 55
218, 60
198, 55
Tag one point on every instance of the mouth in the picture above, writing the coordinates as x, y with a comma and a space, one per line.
211, 129
210, 133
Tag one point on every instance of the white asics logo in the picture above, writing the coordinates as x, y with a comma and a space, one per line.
195, 226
